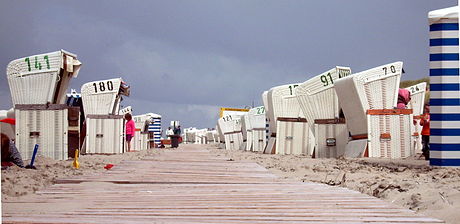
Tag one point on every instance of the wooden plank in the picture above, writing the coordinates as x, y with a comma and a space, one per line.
191, 186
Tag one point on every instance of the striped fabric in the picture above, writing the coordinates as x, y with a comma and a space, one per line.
155, 127
267, 131
445, 88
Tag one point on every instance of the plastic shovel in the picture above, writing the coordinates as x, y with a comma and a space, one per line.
31, 165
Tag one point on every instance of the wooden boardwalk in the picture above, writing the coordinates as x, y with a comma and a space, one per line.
189, 185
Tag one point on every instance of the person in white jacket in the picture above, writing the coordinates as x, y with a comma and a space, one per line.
169, 132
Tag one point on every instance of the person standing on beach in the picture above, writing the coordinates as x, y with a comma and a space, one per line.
10, 154
403, 98
169, 132
425, 122
130, 129
177, 130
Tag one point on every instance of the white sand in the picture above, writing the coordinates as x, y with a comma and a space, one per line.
410, 183
18, 182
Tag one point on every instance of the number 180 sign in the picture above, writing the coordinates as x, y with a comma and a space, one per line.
104, 86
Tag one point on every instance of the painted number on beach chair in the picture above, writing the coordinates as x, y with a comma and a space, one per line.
227, 118
37, 63
392, 69
292, 87
414, 89
260, 110
102, 86
327, 79
344, 73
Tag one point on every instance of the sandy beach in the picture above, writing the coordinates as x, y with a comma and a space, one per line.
18, 182
409, 183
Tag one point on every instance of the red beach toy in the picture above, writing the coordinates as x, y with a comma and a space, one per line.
108, 166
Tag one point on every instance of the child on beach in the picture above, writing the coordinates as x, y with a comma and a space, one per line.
425, 122
130, 129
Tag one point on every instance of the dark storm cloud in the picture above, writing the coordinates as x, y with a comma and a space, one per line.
184, 59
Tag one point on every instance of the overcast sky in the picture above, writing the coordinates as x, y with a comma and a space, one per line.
185, 59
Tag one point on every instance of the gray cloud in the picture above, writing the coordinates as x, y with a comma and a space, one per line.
182, 56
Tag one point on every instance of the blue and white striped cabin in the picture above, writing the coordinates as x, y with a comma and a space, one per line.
444, 87
155, 127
